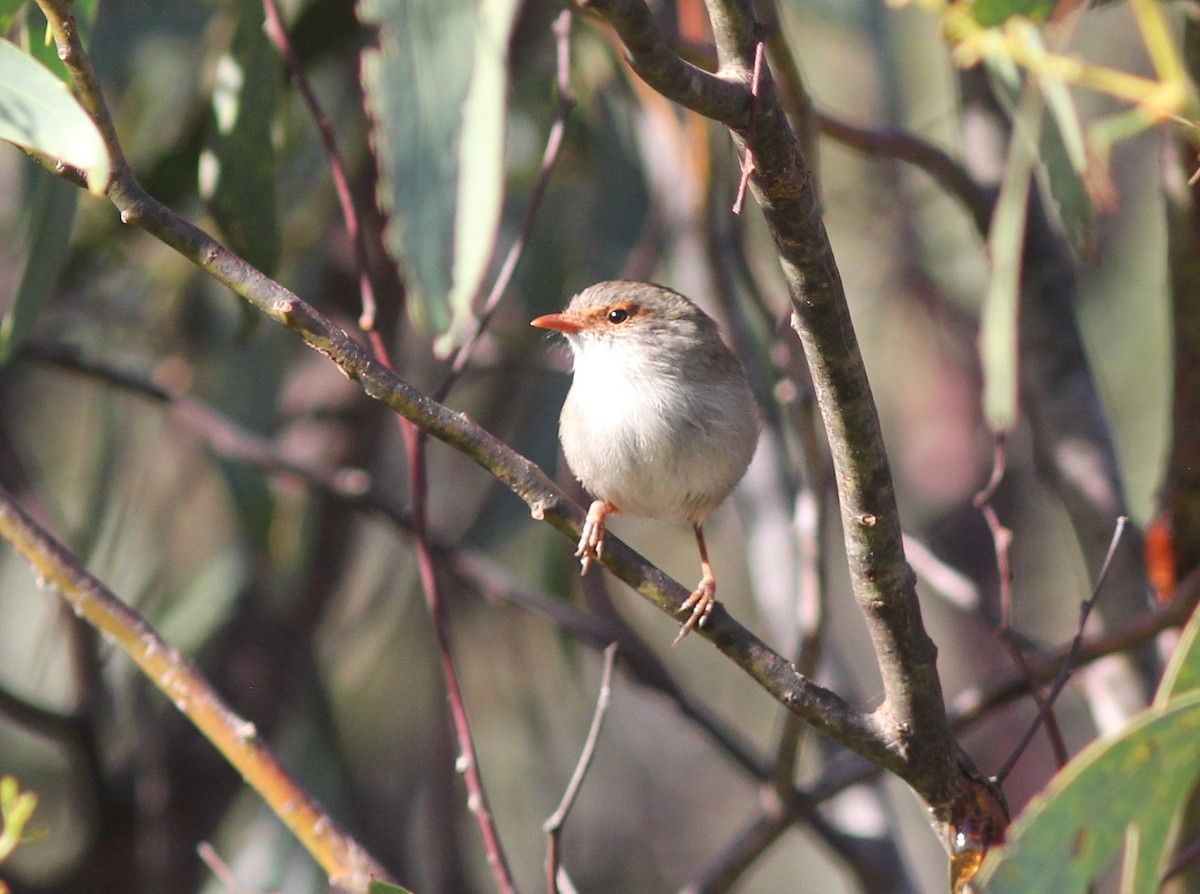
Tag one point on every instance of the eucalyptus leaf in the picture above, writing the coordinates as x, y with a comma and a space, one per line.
49, 209
436, 89
9, 9
996, 12
38, 113
1120, 795
237, 165
1062, 152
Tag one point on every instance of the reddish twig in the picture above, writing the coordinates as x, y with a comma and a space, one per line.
277, 34
553, 826
1002, 541
415, 443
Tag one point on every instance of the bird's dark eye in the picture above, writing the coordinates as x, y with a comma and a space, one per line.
618, 315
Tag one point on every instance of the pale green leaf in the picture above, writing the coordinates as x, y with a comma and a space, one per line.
378, 887
998, 337
38, 112
1062, 150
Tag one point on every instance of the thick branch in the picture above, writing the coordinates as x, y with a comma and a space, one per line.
913, 713
711, 95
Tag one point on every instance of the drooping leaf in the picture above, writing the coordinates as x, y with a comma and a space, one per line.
1121, 794
237, 165
998, 348
436, 90
38, 112
1062, 151
49, 209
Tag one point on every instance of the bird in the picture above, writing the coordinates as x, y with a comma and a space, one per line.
659, 422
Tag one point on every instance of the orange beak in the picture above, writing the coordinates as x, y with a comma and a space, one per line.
558, 322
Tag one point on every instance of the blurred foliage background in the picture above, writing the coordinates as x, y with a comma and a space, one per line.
129, 408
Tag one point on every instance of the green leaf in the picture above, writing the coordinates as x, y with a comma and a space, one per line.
378, 887
1183, 673
998, 337
38, 113
436, 89
990, 13
1062, 149
49, 209
237, 165
9, 9
1121, 794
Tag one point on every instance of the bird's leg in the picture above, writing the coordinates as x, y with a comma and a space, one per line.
591, 539
704, 597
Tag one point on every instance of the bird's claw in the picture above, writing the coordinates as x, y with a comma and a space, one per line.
591, 538
701, 604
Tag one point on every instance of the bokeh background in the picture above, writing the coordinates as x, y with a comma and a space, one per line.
125, 411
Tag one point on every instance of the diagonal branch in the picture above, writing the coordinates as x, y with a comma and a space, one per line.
825, 710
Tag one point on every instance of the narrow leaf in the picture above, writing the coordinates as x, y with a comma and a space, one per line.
38, 112
237, 165
49, 210
436, 90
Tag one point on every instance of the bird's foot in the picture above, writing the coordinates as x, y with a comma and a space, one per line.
591, 539
701, 604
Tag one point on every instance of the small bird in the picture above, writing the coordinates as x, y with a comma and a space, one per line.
659, 422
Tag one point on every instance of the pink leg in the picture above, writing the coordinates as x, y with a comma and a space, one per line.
704, 597
591, 539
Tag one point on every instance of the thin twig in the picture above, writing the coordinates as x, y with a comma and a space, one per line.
220, 868
278, 35
1002, 544
554, 825
1068, 664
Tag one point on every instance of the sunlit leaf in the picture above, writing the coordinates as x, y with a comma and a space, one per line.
49, 207
436, 90
38, 112
998, 348
237, 166
1062, 151
1118, 795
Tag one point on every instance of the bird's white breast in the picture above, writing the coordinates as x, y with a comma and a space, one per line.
641, 436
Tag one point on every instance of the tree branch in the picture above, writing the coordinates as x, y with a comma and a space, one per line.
825, 710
